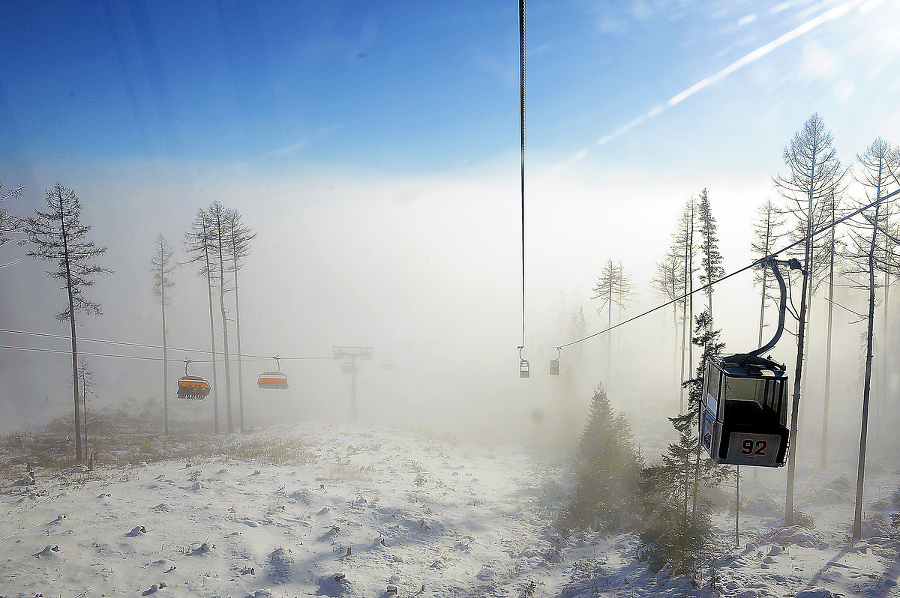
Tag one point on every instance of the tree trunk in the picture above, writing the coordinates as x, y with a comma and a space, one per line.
798, 372
212, 338
165, 355
84, 413
609, 333
224, 332
867, 384
675, 343
691, 293
79, 455
827, 398
237, 326
737, 506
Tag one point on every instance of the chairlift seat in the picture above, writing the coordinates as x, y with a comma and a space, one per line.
272, 380
192, 387
554, 367
523, 368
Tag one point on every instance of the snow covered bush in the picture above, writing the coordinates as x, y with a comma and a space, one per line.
607, 471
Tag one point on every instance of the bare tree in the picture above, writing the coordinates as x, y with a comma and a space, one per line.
162, 266
668, 284
685, 245
198, 243
58, 235
832, 253
8, 222
86, 375
765, 236
238, 238
613, 288
218, 217
814, 176
879, 165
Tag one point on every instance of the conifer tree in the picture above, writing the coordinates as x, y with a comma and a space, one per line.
607, 469
677, 517
58, 235
710, 258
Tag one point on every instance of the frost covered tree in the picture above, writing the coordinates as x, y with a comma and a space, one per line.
58, 235
607, 469
162, 266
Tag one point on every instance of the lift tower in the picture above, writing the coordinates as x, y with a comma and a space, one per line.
352, 353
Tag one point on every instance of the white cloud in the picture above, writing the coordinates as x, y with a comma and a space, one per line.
819, 62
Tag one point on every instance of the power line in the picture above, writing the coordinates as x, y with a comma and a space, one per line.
129, 344
735, 273
97, 340
87, 354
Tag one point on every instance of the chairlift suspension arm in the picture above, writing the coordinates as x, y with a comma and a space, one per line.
771, 262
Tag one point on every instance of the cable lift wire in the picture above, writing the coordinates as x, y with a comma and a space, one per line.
129, 344
735, 273
522, 156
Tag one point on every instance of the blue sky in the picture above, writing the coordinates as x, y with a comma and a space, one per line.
412, 86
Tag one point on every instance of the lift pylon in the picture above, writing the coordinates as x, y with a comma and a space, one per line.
352, 354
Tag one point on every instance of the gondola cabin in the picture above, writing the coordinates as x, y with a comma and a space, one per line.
272, 380
192, 387
743, 415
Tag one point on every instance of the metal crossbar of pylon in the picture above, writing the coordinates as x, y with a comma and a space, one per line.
352, 354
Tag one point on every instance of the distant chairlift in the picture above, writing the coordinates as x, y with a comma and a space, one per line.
554, 364
273, 380
743, 415
523, 365
192, 387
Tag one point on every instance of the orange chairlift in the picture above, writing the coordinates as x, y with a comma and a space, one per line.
192, 387
273, 380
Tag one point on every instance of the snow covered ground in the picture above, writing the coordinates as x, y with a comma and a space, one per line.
353, 510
